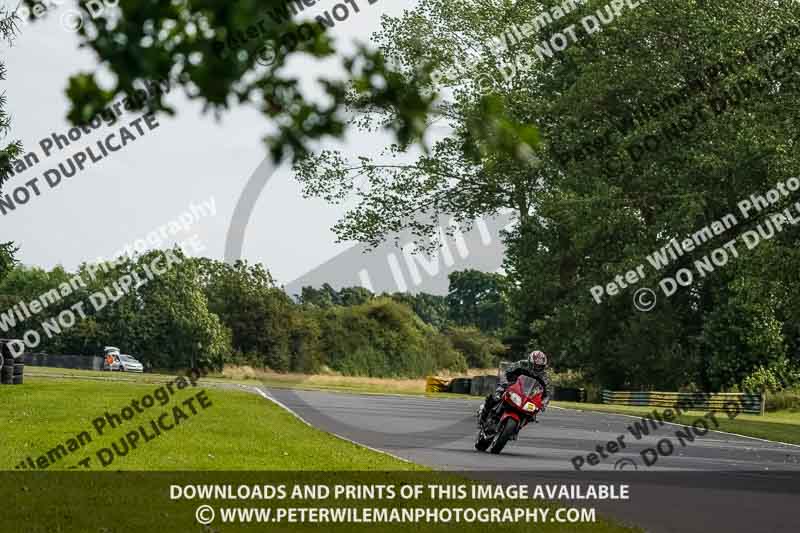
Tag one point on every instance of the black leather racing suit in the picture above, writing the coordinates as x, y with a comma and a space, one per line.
514, 371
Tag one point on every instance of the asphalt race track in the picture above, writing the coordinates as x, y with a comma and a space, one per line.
719, 482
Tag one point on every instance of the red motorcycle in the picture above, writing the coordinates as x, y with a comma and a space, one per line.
519, 405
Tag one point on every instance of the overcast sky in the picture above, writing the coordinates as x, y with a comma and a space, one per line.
188, 159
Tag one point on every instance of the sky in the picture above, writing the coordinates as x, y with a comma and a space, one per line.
186, 160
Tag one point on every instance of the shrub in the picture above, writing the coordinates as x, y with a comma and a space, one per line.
787, 399
479, 350
383, 338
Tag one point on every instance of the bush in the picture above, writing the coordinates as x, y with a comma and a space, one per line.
383, 338
445, 355
574, 379
305, 343
479, 350
761, 379
788, 399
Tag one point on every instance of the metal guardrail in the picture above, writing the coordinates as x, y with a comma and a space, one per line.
75, 362
752, 403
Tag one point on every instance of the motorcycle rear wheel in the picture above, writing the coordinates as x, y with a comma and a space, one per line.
503, 436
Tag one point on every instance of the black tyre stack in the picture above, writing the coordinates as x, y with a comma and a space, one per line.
19, 370
12, 370
7, 372
460, 385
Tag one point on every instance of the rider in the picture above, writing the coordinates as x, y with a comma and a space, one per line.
534, 366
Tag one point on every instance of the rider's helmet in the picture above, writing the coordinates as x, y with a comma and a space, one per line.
538, 359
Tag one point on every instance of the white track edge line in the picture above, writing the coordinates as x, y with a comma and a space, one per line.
306, 422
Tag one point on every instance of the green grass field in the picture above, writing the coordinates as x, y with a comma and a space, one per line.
240, 438
239, 431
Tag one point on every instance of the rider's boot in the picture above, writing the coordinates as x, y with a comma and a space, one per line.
484, 410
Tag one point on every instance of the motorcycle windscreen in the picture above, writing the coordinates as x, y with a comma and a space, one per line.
530, 386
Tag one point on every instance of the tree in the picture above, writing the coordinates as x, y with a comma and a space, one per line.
478, 299
480, 351
431, 308
173, 320
598, 196
327, 296
258, 313
7, 260
384, 338
152, 40
12, 150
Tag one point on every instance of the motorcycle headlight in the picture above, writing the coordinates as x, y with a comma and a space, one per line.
515, 398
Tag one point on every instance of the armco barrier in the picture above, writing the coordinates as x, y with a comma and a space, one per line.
79, 362
746, 402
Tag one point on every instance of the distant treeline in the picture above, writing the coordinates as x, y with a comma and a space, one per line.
206, 312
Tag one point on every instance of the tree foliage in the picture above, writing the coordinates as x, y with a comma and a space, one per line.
582, 219
327, 296
478, 299
384, 338
139, 41
205, 312
479, 349
12, 150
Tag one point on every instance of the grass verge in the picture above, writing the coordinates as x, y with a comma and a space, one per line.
238, 431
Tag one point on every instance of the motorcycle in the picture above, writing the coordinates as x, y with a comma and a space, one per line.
518, 406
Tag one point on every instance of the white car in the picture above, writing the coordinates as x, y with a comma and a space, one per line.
122, 363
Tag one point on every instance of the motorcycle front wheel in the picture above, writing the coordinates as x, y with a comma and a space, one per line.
503, 436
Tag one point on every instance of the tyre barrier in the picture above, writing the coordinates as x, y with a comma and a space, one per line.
488, 385
434, 384
566, 394
701, 401
7, 374
460, 386
476, 385
11, 370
